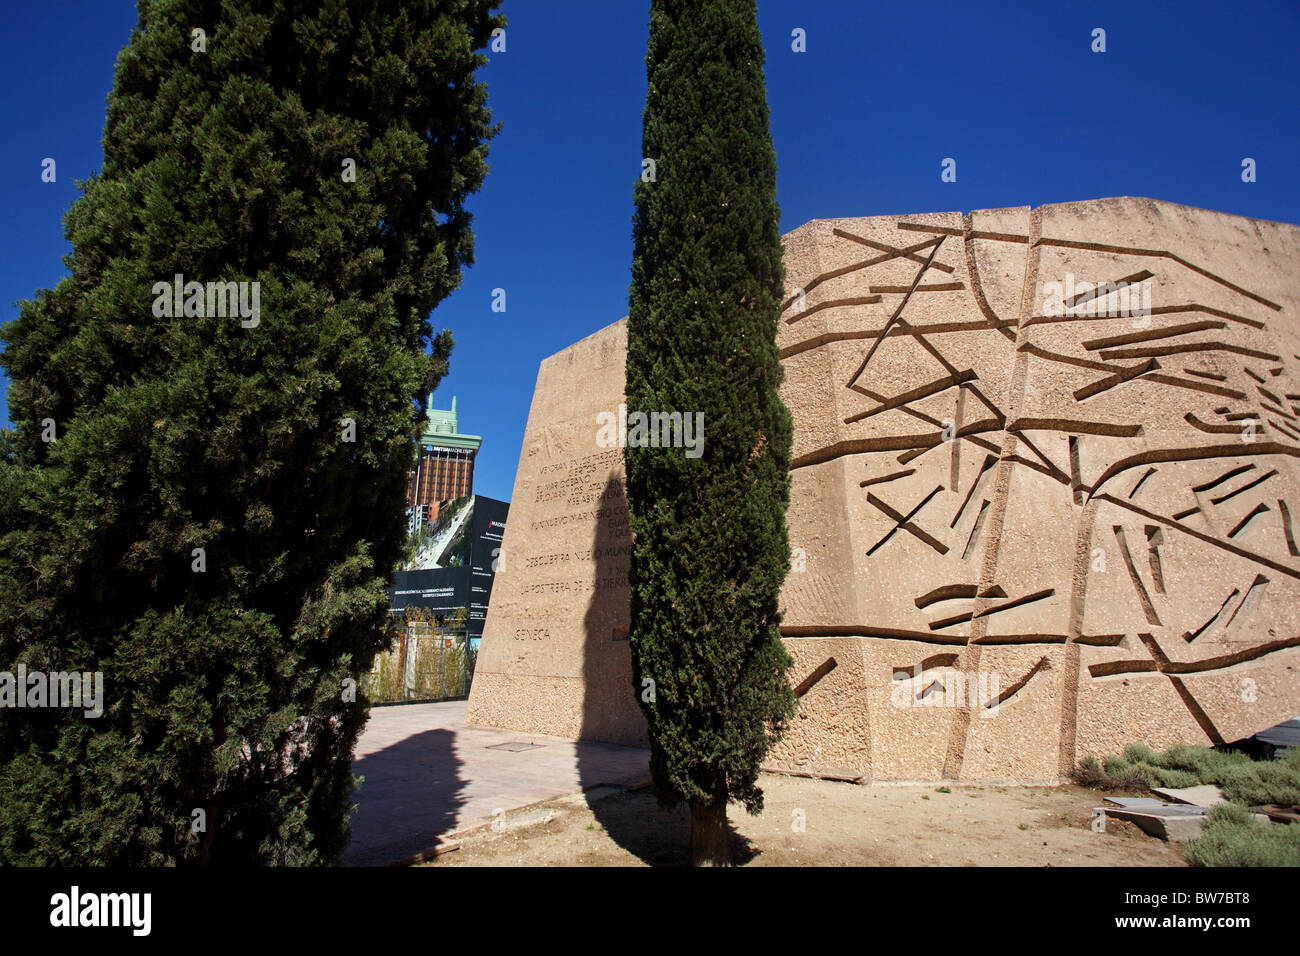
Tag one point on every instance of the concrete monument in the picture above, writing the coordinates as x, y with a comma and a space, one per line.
1043, 483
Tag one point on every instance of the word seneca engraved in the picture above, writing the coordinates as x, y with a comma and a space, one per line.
208, 300
653, 430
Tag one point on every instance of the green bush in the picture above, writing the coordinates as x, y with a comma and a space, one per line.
1176, 778
1126, 775
1140, 753
1243, 780
1234, 837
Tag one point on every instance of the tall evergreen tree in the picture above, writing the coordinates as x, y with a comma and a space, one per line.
710, 549
215, 520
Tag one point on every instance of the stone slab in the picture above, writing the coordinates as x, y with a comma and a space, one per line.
1135, 803
1170, 822
1205, 796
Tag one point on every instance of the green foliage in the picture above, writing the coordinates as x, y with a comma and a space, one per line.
1234, 837
1243, 780
224, 689
438, 672
710, 545
383, 683
1139, 753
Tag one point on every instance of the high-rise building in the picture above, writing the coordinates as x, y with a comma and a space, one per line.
444, 467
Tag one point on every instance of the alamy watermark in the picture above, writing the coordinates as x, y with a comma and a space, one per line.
1129, 297
25, 688
651, 430
208, 300
74, 909
978, 689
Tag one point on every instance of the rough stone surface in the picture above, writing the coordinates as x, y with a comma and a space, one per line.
1172, 822
1103, 548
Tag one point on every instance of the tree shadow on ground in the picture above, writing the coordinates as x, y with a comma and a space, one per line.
412, 794
611, 712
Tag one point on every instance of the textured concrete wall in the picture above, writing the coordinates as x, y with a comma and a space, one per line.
1079, 506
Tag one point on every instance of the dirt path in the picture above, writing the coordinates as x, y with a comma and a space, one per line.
844, 825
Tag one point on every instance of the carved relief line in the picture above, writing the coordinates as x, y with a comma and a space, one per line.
1112, 287
1286, 528
1150, 350
801, 631
950, 231
1100, 247
1155, 538
916, 394
933, 287
975, 428
1130, 338
1190, 636
905, 522
1162, 664
1019, 685
1151, 376
834, 304
975, 529
1048, 467
936, 328
1195, 453
896, 253
930, 420
989, 462
977, 287
1206, 427
1161, 254
975, 615
1144, 599
852, 267
1119, 378
890, 477
818, 673
1246, 487
1259, 509
934, 661
897, 312
949, 592
1201, 536
1157, 310
920, 443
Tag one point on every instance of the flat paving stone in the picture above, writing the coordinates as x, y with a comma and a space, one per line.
427, 775
1206, 795
1135, 802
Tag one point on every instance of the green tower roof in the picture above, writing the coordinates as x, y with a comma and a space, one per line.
441, 429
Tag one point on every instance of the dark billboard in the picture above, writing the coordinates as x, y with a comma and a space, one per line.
467, 584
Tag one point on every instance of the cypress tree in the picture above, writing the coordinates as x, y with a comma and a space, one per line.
710, 546
207, 507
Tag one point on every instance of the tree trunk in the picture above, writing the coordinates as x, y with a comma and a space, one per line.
710, 835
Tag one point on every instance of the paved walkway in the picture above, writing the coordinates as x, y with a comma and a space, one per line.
427, 774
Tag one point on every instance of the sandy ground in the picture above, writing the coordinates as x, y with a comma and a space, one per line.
843, 825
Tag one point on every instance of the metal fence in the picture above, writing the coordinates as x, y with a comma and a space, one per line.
424, 663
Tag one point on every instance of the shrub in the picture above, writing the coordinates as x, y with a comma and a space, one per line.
1234, 837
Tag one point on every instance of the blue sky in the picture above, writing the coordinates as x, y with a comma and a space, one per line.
861, 123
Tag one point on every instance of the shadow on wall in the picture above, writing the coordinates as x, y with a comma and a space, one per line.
411, 795
610, 708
